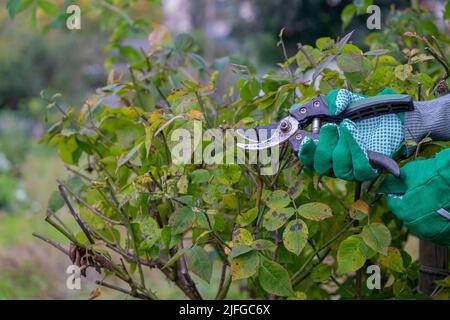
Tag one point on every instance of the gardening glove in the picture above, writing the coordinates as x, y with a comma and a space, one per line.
342, 149
421, 197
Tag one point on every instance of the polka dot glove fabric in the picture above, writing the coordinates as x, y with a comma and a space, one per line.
342, 149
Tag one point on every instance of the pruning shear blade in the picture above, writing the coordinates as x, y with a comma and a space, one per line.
284, 130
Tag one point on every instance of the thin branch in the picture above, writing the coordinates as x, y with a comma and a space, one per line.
225, 282
334, 195
52, 243
131, 233
134, 294
324, 246
74, 214
68, 168
88, 206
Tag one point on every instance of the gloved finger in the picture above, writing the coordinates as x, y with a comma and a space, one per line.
306, 152
339, 99
323, 158
393, 185
386, 91
362, 169
396, 205
342, 160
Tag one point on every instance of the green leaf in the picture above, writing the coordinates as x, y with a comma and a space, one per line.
315, 211
347, 15
393, 260
377, 237
325, 43
403, 71
295, 236
321, 273
239, 250
182, 184
230, 201
299, 295
350, 255
150, 230
376, 52
128, 156
303, 62
175, 258
13, 7
277, 199
199, 176
67, 149
245, 265
247, 217
295, 187
182, 220
274, 279
263, 245
55, 202
188, 200
199, 263
350, 62
276, 218
49, 8
243, 236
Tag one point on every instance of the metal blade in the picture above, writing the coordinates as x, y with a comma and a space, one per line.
259, 133
285, 129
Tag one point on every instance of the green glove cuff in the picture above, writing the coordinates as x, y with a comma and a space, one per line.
415, 198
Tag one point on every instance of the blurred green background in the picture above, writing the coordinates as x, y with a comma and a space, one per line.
35, 56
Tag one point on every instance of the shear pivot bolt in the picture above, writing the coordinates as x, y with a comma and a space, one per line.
316, 104
285, 126
298, 136
303, 110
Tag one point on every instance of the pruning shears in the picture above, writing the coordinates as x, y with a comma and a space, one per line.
316, 111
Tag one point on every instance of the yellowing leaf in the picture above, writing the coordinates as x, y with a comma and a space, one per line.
245, 265
247, 217
195, 114
153, 116
277, 199
315, 211
350, 255
377, 237
230, 201
393, 260
160, 35
276, 218
295, 236
403, 71
242, 236
359, 207
182, 184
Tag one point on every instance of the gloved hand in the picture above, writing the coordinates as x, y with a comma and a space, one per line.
421, 197
342, 149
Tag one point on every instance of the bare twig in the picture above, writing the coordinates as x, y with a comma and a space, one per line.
134, 294
88, 206
74, 213
52, 243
